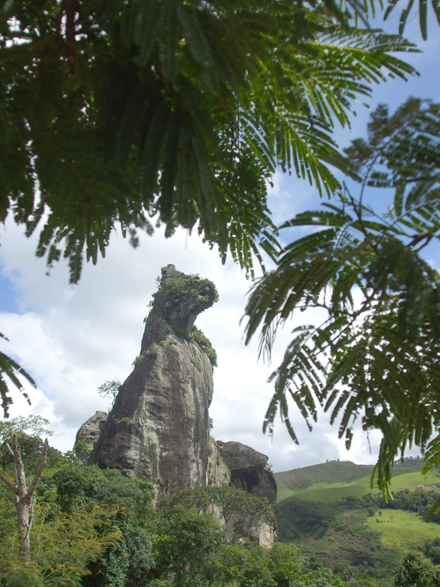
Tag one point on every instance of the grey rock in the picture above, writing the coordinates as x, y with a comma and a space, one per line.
233, 524
239, 515
89, 432
249, 470
158, 427
217, 473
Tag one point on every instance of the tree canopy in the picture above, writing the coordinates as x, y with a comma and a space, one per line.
119, 113
123, 114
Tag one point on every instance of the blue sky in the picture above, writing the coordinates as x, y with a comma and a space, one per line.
73, 338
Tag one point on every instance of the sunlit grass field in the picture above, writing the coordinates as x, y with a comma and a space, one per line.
400, 529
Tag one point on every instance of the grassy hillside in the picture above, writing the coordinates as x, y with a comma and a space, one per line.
329, 472
329, 510
402, 530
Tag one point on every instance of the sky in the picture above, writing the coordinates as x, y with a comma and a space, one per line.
72, 339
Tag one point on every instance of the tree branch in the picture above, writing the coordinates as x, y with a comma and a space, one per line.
19, 467
39, 469
10, 498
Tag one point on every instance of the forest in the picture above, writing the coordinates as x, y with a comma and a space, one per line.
92, 527
95, 527
360, 534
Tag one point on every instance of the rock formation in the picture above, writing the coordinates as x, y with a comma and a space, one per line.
255, 528
88, 435
158, 427
249, 469
240, 514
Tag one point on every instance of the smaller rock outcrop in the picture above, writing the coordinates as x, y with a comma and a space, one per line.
217, 473
249, 470
239, 514
88, 435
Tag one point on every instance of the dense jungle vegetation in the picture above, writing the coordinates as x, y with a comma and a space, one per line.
97, 528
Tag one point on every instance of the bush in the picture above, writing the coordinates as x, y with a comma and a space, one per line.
416, 571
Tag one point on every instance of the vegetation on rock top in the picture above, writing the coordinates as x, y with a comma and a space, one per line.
204, 344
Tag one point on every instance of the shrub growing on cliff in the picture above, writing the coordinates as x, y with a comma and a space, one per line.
204, 344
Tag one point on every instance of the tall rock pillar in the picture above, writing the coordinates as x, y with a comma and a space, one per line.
158, 427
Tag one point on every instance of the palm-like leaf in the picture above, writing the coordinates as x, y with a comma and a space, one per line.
10, 370
124, 110
139, 109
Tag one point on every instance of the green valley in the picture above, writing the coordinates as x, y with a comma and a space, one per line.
329, 510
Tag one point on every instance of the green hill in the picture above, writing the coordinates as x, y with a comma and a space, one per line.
329, 510
335, 480
329, 472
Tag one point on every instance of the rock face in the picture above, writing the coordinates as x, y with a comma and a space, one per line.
158, 427
240, 514
249, 470
89, 433
256, 529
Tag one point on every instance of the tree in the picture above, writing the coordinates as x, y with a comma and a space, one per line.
416, 571
29, 431
22, 496
76, 490
63, 545
375, 355
186, 541
205, 100
110, 389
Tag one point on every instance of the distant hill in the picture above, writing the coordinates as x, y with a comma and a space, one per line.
336, 480
330, 472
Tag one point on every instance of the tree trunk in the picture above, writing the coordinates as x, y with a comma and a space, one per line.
22, 497
24, 521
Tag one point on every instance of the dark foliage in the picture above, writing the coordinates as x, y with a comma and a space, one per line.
29, 432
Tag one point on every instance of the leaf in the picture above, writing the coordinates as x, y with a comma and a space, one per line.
375, 352
10, 370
